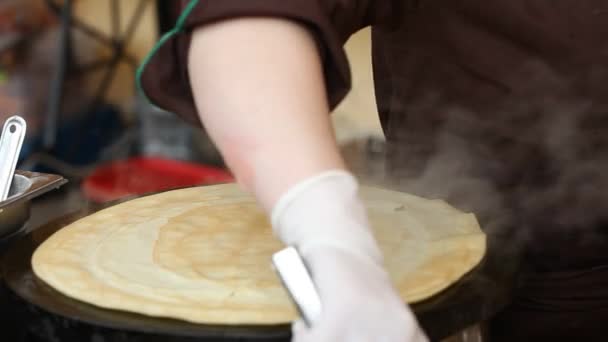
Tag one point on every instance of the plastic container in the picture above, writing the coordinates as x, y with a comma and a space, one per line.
139, 176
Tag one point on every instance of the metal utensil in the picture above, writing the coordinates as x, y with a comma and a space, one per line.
298, 282
11, 142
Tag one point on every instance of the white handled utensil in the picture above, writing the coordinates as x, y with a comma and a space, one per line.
11, 142
298, 282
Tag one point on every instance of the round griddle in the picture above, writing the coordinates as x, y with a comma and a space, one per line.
49, 314
72, 320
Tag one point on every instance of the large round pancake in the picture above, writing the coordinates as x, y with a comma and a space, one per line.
203, 254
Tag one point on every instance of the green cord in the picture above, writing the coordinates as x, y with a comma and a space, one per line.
179, 26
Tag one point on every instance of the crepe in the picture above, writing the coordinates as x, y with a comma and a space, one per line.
203, 254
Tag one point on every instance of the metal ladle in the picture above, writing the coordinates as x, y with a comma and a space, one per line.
11, 142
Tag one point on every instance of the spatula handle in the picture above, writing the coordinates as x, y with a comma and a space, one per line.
299, 284
11, 142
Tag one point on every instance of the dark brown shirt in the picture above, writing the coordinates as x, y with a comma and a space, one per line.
499, 106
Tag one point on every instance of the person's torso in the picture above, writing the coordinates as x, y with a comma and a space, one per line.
502, 107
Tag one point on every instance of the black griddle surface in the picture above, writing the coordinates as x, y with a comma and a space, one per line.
475, 298
43, 301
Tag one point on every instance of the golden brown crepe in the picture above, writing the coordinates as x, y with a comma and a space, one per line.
203, 254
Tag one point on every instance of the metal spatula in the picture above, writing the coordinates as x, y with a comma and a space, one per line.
296, 279
11, 142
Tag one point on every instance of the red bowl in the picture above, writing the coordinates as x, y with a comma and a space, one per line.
138, 176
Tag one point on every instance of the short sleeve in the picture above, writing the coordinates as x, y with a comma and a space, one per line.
163, 77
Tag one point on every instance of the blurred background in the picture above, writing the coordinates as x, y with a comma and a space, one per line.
68, 68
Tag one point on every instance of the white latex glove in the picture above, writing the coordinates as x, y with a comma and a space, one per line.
325, 219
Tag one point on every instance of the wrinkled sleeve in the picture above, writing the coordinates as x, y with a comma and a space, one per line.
163, 77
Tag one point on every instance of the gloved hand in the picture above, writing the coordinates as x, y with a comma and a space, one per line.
325, 219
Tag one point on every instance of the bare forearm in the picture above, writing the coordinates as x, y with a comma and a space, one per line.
259, 89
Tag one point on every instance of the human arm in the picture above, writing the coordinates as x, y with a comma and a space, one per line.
259, 88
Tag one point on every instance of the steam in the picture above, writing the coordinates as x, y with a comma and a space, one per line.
535, 164
450, 175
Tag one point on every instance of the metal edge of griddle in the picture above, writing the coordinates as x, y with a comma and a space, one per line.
26, 287
478, 295
41, 184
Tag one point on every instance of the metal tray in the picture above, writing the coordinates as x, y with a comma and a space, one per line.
28, 185
15, 211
